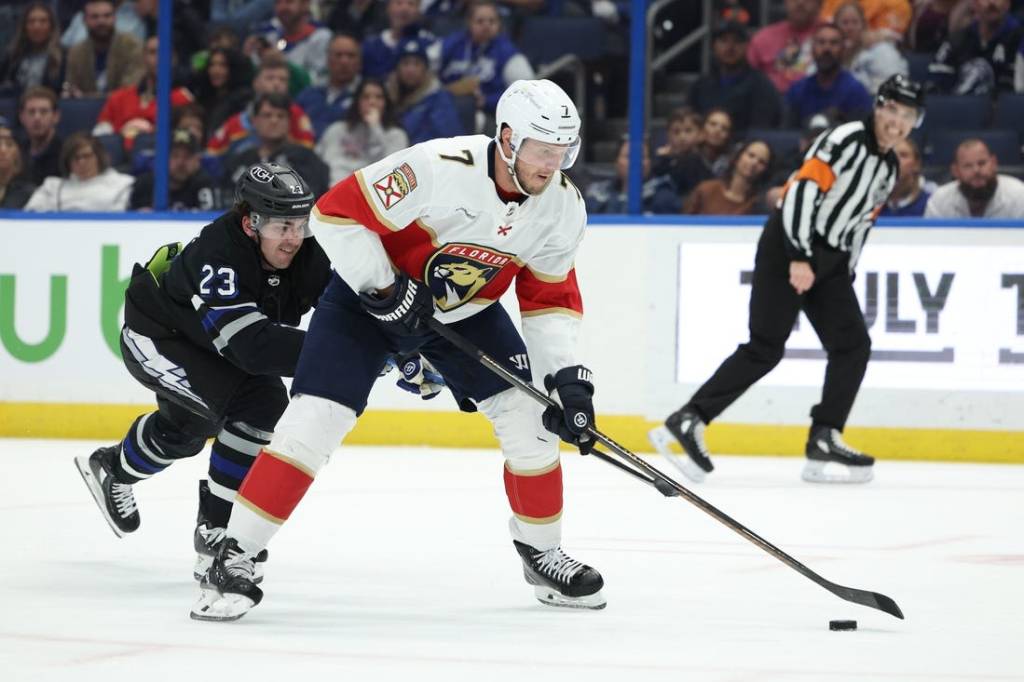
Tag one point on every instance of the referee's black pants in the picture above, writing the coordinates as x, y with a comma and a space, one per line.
831, 306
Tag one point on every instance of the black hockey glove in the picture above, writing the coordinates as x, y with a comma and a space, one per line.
576, 394
406, 310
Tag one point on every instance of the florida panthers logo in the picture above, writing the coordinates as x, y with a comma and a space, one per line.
457, 272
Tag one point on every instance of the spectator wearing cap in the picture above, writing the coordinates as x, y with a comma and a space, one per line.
869, 62
271, 143
382, 52
481, 60
325, 104
131, 110
86, 183
106, 60
978, 190
35, 56
189, 187
980, 59
831, 89
15, 190
912, 191
302, 40
749, 97
782, 51
885, 19
236, 133
424, 108
40, 145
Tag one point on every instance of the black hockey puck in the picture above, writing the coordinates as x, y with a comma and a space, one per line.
842, 625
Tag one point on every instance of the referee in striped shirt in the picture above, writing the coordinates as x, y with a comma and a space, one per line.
805, 261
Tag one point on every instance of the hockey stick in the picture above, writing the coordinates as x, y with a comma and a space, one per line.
669, 487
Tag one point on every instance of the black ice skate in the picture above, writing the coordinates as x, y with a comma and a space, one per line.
207, 537
560, 580
687, 428
228, 590
115, 500
830, 460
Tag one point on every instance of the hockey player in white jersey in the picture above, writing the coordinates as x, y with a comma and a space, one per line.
442, 229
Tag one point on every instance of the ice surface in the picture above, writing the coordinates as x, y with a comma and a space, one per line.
398, 565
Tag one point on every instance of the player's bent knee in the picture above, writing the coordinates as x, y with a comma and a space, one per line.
525, 443
310, 429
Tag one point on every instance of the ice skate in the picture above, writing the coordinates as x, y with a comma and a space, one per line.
227, 590
560, 580
207, 537
115, 500
830, 460
687, 428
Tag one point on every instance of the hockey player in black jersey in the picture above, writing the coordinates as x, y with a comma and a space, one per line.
211, 329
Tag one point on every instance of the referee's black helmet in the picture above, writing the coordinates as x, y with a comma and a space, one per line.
274, 190
899, 88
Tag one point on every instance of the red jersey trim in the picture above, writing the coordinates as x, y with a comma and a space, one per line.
537, 296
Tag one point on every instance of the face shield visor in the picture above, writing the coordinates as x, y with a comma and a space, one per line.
546, 155
280, 228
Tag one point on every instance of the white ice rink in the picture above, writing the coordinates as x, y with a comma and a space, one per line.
398, 566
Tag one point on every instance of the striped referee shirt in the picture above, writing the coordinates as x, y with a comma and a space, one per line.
839, 190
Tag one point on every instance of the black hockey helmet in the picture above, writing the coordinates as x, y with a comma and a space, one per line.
272, 190
899, 88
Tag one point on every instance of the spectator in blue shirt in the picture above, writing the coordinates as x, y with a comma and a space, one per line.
657, 194
481, 60
325, 104
381, 52
750, 98
912, 191
424, 108
831, 89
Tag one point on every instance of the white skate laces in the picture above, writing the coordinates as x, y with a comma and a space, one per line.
557, 564
212, 536
696, 426
836, 442
240, 564
124, 498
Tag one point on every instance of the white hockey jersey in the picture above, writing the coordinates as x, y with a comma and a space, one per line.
433, 211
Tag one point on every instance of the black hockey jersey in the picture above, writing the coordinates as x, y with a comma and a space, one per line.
217, 295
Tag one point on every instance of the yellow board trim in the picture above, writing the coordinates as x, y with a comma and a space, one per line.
458, 430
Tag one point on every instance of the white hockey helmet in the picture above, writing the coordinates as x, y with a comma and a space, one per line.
537, 110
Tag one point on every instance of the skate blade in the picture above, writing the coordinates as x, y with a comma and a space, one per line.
833, 472
661, 438
220, 608
551, 597
204, 561
93, 484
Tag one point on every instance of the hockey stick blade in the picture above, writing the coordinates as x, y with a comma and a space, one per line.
666, 485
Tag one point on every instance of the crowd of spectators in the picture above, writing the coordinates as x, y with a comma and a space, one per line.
328, 86
819, 66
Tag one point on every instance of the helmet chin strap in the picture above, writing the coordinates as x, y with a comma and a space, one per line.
510, 164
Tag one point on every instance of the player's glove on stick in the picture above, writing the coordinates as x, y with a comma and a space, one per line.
419, 376
406, 310
576, 394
